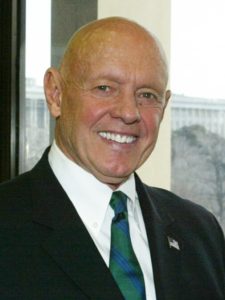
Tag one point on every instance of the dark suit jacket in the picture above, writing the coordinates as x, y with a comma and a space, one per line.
46, 252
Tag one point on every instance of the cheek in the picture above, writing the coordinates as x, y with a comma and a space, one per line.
68, 117
91, 114
152, 122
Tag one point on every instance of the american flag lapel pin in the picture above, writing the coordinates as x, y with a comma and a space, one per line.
173, 243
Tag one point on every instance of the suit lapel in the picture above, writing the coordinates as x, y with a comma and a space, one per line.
68, 241
73, 250
165, 244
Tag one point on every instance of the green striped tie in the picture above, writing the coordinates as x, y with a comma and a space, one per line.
123, 263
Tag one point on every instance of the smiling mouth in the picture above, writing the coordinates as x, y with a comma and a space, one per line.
119, 138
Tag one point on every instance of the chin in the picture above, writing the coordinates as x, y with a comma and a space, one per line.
113, 182
118, 176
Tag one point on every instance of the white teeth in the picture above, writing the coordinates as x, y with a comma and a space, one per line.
123, 139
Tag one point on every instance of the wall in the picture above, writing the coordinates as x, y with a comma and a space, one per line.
155, 16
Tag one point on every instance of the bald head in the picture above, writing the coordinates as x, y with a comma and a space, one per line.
95, 37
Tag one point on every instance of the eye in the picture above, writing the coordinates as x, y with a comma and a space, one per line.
149, 98
148, 95
103, 88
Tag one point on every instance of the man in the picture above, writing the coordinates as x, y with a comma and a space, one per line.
59, 224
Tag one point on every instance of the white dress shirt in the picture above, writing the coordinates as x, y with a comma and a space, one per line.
91, 199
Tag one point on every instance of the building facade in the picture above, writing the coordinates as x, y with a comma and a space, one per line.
210, 113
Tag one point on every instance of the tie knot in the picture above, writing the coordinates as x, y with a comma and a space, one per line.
118, 202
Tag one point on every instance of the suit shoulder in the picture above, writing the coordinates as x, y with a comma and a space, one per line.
15, 200
191, 219
168, 198
15, 187
181, 208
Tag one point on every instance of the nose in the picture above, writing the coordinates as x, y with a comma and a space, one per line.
126, 108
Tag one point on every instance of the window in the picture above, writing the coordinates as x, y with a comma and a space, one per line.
35, 135
198, 103
46, 36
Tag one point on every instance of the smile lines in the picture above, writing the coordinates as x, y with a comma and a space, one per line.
119, 138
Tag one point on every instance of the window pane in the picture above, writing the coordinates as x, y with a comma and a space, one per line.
34, 125
47, 33
198, 103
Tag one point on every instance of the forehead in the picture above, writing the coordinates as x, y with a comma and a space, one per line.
117, 44
122, 57
115, 51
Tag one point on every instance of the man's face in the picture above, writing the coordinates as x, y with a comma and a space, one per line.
112, 106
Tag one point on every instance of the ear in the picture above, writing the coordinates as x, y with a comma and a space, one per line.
167, 97
53, 91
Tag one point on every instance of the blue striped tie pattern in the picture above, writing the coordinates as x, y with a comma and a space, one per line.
123, 263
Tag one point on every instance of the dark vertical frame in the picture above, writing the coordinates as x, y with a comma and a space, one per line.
10, 41
22, 85
8, 89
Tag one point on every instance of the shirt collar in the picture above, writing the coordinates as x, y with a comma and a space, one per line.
84, 190
128, 188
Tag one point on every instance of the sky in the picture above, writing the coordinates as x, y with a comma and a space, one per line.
198, 48
38, 38
197, 45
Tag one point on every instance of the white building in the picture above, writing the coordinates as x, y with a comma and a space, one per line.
37, 115
210, 113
